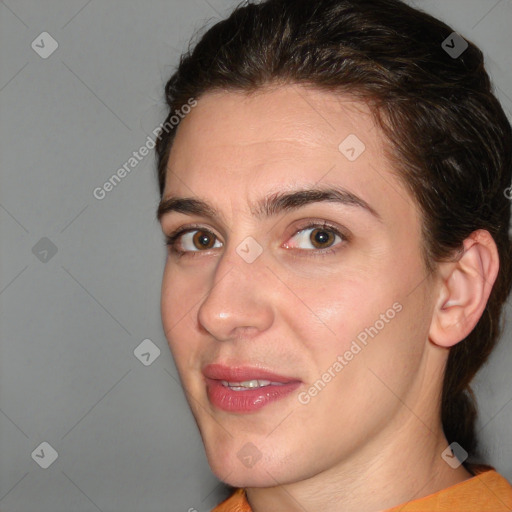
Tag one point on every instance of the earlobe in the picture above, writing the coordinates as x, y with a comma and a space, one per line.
464, 290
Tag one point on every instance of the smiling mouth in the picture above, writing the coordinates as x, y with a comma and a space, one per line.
249, 384
245, 389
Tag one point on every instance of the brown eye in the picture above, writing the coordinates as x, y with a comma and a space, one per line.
316, 238
192, 241
322, 238
203, 240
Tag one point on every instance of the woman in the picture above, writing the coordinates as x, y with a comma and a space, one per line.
334, 205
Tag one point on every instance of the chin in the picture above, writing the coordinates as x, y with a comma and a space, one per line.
236, 476
247, 467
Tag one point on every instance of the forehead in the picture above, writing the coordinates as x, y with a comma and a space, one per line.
234, 148
276, 117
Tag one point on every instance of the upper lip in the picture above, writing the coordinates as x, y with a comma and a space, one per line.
243, 373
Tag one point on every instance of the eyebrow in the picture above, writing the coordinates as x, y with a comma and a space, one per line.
270, 206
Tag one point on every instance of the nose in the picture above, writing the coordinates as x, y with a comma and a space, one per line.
238, 302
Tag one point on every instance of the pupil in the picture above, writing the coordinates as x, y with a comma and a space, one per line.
321, 237
202, 239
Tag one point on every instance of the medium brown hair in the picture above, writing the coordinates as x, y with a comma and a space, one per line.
450, 141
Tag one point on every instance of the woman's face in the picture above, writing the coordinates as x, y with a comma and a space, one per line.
314, 307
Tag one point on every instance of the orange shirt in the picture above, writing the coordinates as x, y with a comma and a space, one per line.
487, 491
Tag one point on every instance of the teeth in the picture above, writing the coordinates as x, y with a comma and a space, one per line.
249, 384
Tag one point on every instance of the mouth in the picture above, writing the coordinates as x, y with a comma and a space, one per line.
245, 389
249, 384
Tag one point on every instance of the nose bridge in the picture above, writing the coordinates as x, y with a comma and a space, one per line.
236, 299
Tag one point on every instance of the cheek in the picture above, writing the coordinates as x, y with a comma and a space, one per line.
168, 304
336, 312
373, 308
176, 303
369, 341
180, 291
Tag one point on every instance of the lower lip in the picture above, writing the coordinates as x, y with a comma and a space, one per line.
249, 400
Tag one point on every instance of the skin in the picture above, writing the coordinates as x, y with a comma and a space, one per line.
293, 313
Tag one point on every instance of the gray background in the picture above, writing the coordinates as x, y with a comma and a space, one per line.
69, 325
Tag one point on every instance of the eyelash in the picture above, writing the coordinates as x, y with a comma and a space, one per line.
171, 241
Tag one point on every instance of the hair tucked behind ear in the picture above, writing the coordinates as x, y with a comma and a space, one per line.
450, 141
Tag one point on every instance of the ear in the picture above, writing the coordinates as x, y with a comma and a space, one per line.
464, 290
